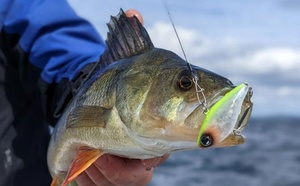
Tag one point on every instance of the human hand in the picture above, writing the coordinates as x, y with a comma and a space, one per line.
111, 170
117, 171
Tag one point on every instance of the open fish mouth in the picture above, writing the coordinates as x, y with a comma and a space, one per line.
229, 115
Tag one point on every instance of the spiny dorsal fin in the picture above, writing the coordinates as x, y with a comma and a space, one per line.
126, 37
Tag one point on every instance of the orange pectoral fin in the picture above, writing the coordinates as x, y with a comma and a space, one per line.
84, 158
54, 181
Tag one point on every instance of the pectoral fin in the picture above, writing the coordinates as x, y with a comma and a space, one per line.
84, 158
88, 116
54, 181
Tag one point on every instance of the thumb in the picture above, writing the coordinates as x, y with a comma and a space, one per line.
133, 12
154, 162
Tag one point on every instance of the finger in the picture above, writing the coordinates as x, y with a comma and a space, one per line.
83, 179
122, 171
97, 177
154, 162
133, 12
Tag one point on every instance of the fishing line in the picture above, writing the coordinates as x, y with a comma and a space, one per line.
198, 88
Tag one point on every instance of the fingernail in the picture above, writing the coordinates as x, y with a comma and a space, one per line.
148, 168
150, 163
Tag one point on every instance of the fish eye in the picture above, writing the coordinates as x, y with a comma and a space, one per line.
185, 81
206, 140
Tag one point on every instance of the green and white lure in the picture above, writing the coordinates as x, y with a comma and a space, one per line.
225, 112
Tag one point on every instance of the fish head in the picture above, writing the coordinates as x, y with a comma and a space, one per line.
160, 98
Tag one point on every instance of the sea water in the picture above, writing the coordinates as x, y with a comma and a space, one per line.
270, 157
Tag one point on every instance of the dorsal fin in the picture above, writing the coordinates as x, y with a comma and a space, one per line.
126, 37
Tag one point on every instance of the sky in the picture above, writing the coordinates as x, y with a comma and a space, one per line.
251, 41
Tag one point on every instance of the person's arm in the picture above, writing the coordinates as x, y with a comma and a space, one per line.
57, 41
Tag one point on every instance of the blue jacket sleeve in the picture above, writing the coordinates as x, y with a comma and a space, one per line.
57, 40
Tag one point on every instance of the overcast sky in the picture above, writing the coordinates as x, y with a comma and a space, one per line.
250, 41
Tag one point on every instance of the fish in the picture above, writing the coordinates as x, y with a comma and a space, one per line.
142, 102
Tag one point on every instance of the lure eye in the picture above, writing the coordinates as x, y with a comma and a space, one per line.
206, 140
185, 80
